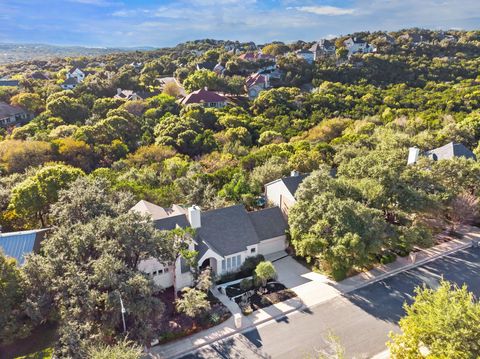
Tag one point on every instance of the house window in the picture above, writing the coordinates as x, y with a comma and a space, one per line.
229, 263
165, 270
160, 271
224, 268
252, 250
239, 260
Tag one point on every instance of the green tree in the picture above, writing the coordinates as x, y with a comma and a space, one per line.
31, 102
100, 246
33, 197
193, 302
13, 321
203, 78
442, 322
265, 271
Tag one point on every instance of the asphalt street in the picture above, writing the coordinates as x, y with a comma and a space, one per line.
361, 320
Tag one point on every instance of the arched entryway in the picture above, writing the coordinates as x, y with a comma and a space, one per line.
209, 262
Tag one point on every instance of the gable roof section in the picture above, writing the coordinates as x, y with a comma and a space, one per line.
255, 79
202, 96
227, 230
293, 182
172, 222
268, 223
7, 110
18, 244
7, 82
449, 151
70, 81
157, 212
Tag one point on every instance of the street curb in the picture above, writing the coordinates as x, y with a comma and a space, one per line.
410, 266
240, 330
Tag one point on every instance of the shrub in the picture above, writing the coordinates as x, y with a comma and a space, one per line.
265, 271
246, 284
251, 263
214, 318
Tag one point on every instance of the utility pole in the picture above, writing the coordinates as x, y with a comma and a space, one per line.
123, 312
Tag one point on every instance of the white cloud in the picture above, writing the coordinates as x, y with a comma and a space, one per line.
326, 10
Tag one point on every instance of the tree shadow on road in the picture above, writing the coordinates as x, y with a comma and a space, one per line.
384, 299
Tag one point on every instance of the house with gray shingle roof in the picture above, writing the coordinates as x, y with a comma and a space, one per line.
224, 238
11, 116
447, 152
281, 192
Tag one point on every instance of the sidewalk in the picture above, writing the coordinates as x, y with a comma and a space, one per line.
183, 346
315, 289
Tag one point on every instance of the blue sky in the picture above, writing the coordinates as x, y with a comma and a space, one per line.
159, 23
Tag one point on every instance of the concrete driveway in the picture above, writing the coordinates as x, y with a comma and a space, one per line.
312, 288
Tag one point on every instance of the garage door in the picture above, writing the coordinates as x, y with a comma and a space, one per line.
272, 245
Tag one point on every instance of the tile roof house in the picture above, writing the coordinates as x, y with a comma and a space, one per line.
255, 83
205, 98
224, 237
281, 192
19, 244
447, 152
13, 115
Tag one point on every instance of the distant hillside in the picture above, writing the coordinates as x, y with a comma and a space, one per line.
19, 52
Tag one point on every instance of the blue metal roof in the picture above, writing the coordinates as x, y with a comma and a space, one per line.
18, 244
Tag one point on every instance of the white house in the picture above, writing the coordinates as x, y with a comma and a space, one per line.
223, 238
356, 45
256, 83
69, 84
281, 192
76, 73
447, 152
307, 55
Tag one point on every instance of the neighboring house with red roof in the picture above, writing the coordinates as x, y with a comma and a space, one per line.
255, 83
205, 98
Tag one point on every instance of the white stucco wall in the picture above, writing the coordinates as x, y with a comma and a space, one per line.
149, 266
273, 245
274, 191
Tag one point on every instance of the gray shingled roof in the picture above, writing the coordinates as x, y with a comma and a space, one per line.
7, 110
70, 81
268, 223
293, 182
449, 151
169, 223
227, 230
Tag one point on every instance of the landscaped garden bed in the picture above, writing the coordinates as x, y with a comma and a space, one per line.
258, 298
173, 325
